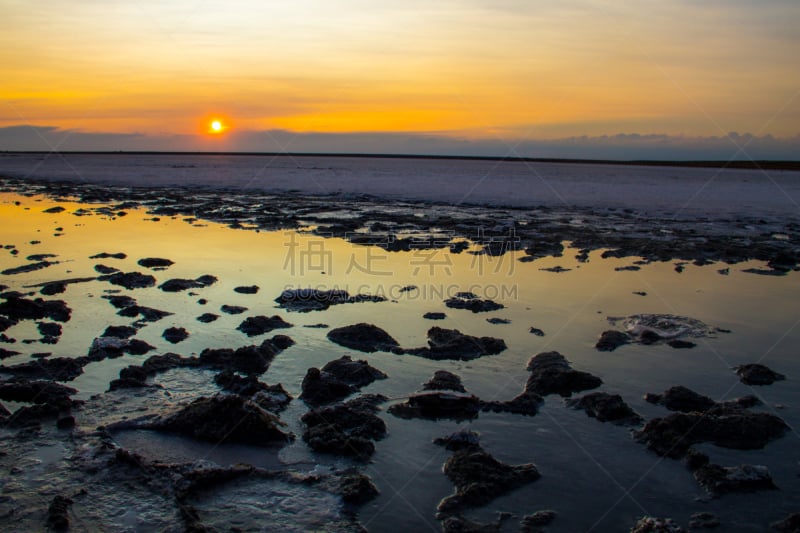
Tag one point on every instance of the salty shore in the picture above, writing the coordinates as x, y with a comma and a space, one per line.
663, 191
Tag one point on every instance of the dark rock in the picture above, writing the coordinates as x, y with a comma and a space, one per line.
618, 253
135, 376
444, 380
459, 524
356, 373
363, 337
316, 326
106, 255
648, 337
131, 377
233, 309
531, 522
437, 405
15, 294
682, 399
225, 418
58, 511
526, 403
42, 392
138, 347
672, 435
206, 318
756, 374
155, 262
247, 359
537, 331
55, 210
30, 267
6, 322
479, 478
258, 325
306, 300
452, 344
206, 280
119, 332
628, 268
130, 280
321, 388
459, 440
49, 329
611, 340
247, 386
783, 261
495, 320
472, 303
719, 480
16, 308
704, 520
51, 289
408, 288
249, 289
607, 408
161, 363
112, 347
556, 269
356, 488
694, 459
178, 285
103, 269
32, 416
107, 348
148, 314
120, 302
55, 368
765, 271
790, 524
434, 316
680, 344
175, 335
270, 397
274, 398
65, 422
7, 353
345, 428
649, 524
640, 293
551, 373
281, 342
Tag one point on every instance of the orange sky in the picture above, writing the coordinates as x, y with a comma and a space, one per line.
471, 68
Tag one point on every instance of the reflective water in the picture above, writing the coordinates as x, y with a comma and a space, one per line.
593, 474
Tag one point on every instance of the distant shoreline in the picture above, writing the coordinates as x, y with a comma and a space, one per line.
747, 165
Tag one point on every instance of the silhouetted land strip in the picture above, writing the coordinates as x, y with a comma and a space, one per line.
748, 165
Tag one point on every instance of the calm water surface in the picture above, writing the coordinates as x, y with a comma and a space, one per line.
593, 474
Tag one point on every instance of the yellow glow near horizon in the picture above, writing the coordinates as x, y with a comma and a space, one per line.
216, 126
468, 68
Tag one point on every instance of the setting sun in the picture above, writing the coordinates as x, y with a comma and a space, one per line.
216, 126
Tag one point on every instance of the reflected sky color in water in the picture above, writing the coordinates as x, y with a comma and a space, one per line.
585, 464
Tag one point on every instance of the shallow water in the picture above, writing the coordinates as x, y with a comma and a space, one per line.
593, 474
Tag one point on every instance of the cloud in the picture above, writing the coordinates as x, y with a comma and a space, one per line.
631, 146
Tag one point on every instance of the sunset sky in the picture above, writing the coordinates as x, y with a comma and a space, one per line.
119, 74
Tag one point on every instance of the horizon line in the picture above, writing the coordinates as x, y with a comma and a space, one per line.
760, 164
